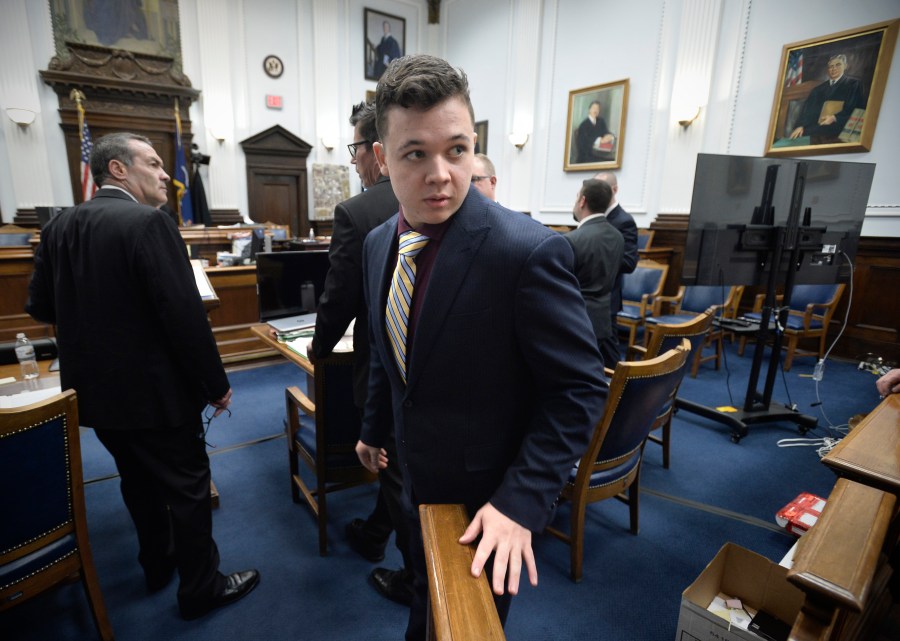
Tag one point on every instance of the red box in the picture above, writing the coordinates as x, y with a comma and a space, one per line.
800, 514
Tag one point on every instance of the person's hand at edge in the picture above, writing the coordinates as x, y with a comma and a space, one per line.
510, 543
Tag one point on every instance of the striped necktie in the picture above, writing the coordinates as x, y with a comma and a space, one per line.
400, 296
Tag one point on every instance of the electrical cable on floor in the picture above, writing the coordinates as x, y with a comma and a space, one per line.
822, 445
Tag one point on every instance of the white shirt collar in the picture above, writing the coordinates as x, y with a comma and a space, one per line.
122, 190
612, 206
591, 217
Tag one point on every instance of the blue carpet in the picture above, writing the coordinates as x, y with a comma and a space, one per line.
631, 587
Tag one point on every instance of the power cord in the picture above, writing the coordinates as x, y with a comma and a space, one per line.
823, 445
819, 369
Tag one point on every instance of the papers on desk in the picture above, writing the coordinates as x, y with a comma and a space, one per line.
29, 397
298, 341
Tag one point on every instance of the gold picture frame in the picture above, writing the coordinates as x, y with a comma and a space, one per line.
812, 116
595, 138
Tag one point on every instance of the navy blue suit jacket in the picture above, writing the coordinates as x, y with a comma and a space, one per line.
504, 375
623, 221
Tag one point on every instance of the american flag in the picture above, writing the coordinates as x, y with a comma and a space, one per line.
88, 188
795, 69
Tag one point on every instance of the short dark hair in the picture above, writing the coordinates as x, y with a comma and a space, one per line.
420, 82
597, 195
363, 116
112, 147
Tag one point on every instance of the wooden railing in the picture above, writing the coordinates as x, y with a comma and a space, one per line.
843, 563
462, 607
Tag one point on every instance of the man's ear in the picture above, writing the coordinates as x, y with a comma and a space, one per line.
378, 148
117, 169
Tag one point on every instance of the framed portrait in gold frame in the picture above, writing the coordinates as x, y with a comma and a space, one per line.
595, 127
829, 92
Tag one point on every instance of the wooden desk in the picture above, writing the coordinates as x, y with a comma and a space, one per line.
264, 333
870, 453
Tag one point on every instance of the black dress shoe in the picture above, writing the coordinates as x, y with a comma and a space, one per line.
396, 585
363, 543
237, 586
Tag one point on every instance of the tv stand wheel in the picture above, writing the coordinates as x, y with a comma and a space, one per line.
803, 430
735, 438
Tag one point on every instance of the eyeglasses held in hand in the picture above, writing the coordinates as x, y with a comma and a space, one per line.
208, 419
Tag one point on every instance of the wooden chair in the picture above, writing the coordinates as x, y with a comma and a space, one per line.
44, 537
811, 309
639, 289
690, 301
611, 465
327, 448
645, 238
664, 337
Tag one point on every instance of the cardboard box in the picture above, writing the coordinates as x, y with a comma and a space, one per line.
758, 582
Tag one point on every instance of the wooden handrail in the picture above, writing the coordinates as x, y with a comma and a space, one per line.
837, 561
462, 606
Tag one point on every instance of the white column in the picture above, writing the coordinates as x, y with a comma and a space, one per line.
522, 88
331, 112
222, 99
26, 179
697, 39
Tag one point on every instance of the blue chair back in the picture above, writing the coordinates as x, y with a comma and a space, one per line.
803, 295
699, 298
636, 399
36, 499
643, 280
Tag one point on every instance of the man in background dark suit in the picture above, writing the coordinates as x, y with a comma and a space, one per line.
598, 248
502, 382
341, 302
135, 344
621, 220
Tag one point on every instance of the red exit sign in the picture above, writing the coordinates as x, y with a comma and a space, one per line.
273, 102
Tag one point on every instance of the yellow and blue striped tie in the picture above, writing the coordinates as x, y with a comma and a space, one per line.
400, 296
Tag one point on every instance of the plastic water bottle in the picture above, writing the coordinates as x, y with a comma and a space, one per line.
25, 354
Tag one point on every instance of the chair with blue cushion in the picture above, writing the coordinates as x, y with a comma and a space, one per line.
664, 337
639, 289
645, 238
328, 447
811, 309
690, 301
44, 536
611, 465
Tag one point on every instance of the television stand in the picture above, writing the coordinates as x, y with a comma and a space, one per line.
739, 419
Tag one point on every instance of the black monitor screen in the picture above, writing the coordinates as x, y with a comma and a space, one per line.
729, 233
289, 283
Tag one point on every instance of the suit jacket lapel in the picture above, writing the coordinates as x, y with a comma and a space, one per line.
459, 247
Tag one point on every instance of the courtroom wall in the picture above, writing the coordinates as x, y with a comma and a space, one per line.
522, 57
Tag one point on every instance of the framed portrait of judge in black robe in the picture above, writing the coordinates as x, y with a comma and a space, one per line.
595, 128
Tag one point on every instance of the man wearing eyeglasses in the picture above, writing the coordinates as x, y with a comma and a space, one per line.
484, 177
342, 300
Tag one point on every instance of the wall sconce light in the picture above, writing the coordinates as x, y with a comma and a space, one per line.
518, 139
217, 134
328, 142
22, 117
687, 123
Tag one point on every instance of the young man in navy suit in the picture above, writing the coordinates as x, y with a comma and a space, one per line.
500, 386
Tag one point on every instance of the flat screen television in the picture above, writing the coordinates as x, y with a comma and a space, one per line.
740, 202
289, 283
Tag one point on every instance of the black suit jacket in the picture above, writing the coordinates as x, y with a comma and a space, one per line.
134, 339
504, 374
598, 248
343, 299
622, 220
